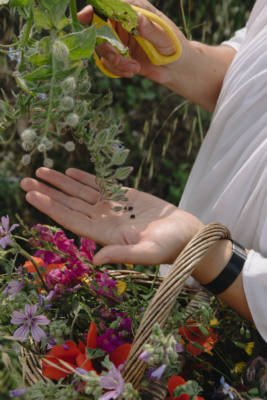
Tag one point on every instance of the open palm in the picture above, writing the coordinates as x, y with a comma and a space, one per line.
157, 234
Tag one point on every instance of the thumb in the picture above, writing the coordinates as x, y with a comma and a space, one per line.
156, 35
128, 254
86, 14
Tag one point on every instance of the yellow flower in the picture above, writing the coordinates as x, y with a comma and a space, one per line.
121, 286
129, 265
214, 322
239, 367
86, 280
249, 348
222, 304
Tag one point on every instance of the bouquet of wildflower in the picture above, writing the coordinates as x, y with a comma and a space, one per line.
80, 322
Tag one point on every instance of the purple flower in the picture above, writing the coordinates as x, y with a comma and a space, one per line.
226, 388
88, 247
49, 257
113, 380
14, 287
48, 306
30, 276
77, 268
71, 290
109, 341
20, 272
158, 372
63, 244
144, 356
179, 348
17, 392
44, 232
50, 295
126, 325
29, 320
51, 342
105, 284
82, 371
4, 233
41, 300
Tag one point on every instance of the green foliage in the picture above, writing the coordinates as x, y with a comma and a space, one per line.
191, 388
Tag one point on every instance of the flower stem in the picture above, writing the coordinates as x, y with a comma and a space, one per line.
25, 254
73, 11
13, 134
25, 39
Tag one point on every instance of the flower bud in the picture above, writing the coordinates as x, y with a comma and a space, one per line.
69, 146
72, 120
68, 85
67, 103
81, 108
2, 111
28, 135
35, 242
48, 163
102, 137
122, 173
84, 87
248, 334
107, 99
27, 145
120, 156
242, 330
26, 159
107, 114
60, 51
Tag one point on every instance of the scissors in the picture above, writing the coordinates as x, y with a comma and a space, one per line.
155, 57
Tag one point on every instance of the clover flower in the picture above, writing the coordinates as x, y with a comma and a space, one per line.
113, 380
29, 321
5, 231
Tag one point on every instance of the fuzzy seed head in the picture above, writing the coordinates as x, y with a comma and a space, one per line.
72, 120
48, 163
84, 87
67, 103
26, 159
69, 146
68, 85
41, 147
27, 145
60, 51
28, 135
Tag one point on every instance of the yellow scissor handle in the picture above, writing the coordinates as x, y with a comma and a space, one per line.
155, 57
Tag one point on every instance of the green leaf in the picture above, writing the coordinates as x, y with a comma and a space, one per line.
19, 3
191, 388
105, 34
75, 305
23, 85
9, 268
118, 11
94, 353
51, 13
68, 72
40, 74
80, 44
37, 59
42, 19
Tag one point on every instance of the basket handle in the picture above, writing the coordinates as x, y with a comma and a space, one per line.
166, 295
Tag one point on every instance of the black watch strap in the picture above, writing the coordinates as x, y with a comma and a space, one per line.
229, 274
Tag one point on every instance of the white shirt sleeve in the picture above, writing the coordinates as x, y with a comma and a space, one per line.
236, 40
255, 286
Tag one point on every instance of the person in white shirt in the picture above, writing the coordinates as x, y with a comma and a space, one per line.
228, 183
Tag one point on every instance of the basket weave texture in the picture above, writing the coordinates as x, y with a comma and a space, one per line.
168, 290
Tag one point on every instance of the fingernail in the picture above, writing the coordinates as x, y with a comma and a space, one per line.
111, 57
133, 68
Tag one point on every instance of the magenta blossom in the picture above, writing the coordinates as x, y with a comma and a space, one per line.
43, 231
105, 284
49, 257
29, 320
5, 231
14, 288
63, 244
88, 247
113, 380
35, 242
55, 277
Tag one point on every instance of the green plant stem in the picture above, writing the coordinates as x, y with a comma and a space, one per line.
13, 134
25, 254
25, 39
73, 11
51, 99
18, 237
155, 278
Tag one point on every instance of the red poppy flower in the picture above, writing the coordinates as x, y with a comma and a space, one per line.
194, 334
40, 262
173, 383
76, 356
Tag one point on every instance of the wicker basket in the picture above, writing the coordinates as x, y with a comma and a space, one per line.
158, 311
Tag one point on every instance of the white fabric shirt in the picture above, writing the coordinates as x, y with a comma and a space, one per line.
228, 182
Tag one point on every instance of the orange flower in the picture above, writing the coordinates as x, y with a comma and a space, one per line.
194, 335
40, 262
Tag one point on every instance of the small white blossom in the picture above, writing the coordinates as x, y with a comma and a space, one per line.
69, 146
26, 159
48, 163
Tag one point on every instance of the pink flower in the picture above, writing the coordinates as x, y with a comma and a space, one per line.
105, 284
63, 244
88, 247
49, 257
113, 380
4, 233
44, 232
29, 321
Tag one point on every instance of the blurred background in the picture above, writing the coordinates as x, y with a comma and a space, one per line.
162, 131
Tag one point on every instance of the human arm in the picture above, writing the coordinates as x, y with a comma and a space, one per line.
158, 234
197, 75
